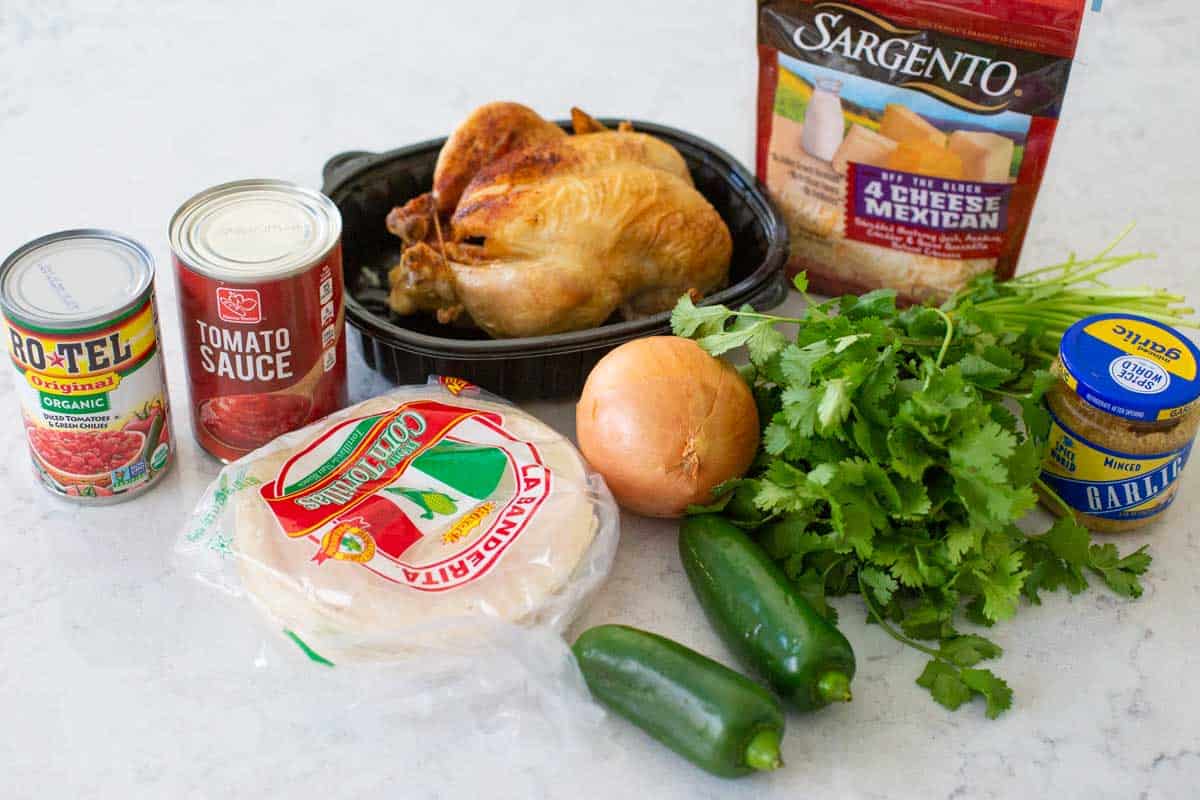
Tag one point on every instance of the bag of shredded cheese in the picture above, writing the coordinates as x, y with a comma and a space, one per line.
429, 526
905, 140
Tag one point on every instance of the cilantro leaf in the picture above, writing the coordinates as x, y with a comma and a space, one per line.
879, 582
800, 408
777, 437
1000, 586
931, 618
762, 340
834, 405
1121, 574
960, 540
944, 681
968, 650
715, 507
876, 303
985, 371
811, 584
978, 462
993, 689
1069, 541
1043, 381
688, 319
792, 535
722, 342
952, 686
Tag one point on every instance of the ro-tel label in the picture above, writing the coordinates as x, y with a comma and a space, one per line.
929, 216
105, 381
1107, 483
427, 495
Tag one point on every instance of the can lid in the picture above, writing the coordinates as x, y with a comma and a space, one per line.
76, 278
1131, 366
254, 230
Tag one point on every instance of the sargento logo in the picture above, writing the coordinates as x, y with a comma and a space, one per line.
933, 70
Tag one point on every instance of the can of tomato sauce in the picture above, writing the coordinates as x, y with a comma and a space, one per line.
82, 332
259, 271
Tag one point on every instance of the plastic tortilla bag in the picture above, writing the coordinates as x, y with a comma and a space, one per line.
435, 527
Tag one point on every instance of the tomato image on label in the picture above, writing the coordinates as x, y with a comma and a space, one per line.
247, 421
85, 453
151, 422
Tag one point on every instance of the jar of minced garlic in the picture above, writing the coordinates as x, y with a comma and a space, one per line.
1123, 416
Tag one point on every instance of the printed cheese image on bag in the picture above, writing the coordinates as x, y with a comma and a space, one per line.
905, 141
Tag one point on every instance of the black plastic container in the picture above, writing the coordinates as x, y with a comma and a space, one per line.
365, 187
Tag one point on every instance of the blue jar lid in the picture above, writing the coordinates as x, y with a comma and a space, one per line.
1130, 366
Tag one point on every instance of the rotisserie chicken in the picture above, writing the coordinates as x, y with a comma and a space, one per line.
530, 231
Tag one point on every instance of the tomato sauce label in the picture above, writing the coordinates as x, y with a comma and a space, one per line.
428, 495
263, 359
94, 402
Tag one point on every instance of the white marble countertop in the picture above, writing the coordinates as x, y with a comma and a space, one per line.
122, 678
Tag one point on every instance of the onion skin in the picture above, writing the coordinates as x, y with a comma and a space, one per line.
664, 422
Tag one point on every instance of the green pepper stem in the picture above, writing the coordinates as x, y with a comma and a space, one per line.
834, 687
763, 751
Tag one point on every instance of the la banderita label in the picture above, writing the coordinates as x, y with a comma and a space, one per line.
427, 495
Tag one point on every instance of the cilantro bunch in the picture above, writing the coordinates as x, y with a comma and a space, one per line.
901, 449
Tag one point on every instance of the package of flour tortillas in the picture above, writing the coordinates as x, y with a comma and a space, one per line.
429, 526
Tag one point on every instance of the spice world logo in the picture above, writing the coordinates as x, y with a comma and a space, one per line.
240, 306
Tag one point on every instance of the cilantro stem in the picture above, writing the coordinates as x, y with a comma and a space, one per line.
1045, 487
1013, 395
895, 634
772, 317
945, 341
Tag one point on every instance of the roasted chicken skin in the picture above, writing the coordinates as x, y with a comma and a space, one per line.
559, 235
492, 131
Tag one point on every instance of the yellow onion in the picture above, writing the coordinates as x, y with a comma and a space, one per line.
664, 422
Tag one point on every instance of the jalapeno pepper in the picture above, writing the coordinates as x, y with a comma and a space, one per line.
762, 617
716, 718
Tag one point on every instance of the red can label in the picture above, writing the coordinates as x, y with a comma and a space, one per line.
264, 358
94, 403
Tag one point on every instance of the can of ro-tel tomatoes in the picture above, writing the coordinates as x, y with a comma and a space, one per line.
259, 271
82, 331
